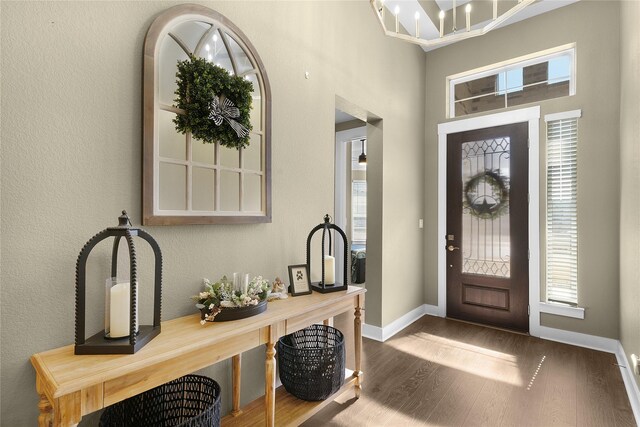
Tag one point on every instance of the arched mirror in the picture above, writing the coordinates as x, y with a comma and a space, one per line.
185, 180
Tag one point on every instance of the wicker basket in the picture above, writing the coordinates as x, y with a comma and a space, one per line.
192, 400
311, 362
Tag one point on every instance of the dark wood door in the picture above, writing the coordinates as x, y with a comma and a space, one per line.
487, 226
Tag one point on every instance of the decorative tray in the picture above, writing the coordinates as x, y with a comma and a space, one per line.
236, 313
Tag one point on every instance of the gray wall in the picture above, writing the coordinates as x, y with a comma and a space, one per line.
593, 25
630, 178
71, 160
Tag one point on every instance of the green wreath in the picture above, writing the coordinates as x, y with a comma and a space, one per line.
216, 104
499, 194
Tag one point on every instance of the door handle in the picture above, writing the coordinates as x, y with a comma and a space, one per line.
452, 248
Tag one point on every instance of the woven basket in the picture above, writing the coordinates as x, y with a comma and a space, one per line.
311, 362
192, 400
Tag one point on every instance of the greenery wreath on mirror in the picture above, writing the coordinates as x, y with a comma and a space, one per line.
486, 195
216, 104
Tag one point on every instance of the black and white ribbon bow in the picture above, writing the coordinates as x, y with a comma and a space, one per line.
223, 109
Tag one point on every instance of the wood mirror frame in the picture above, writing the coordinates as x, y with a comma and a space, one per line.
238, 179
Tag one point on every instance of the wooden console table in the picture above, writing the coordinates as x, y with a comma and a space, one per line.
72, 386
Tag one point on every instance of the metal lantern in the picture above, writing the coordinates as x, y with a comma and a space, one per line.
328, 281
122, 334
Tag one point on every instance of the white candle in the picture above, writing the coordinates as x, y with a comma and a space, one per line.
119, 310
441, 23
397, 12
495, 9
382, 10
329, 270
417, 16
468, 11
455, 15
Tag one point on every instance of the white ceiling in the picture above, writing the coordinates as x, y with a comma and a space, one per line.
430, 30
448, 4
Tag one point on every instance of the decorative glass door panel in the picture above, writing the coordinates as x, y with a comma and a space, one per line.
485, 214
487, 226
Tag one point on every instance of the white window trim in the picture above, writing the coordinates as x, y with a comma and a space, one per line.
546, 306
562, 310
521, 61
565, 115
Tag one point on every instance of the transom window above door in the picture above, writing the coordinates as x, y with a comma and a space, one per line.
533, 78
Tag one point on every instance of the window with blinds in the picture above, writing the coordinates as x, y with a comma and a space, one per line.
359, 211
562, 215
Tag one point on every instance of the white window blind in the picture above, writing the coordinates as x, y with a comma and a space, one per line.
359, 211
562, 218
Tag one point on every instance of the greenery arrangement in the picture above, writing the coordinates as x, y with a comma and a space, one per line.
216, 104
223, 294
497, 194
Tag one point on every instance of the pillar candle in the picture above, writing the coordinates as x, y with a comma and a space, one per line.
329, 270
495, 9
455, 16
120, 310
441, 15
468, 11
397, 12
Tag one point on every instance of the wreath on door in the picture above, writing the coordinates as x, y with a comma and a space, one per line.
486, 195
216, 104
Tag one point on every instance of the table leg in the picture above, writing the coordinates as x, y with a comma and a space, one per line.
236, 362
44, 406
67, 408
357, 332
270, 383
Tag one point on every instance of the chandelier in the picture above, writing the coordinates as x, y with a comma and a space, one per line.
450, 32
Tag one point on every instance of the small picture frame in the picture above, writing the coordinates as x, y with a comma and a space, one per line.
299, 279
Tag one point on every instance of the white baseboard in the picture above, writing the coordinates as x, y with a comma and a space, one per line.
382, 334
432, 310
372, 332
608, 345
629, 381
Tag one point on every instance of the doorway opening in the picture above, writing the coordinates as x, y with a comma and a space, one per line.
351, 191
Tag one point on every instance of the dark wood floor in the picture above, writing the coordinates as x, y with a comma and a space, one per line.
440, 372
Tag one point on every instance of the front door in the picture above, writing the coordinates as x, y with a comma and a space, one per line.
487, 226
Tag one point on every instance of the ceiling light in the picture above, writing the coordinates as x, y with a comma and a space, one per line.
362, 158
454, 35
